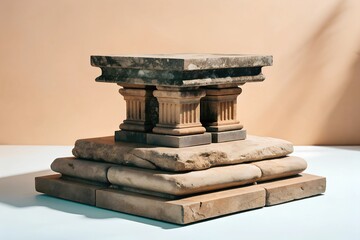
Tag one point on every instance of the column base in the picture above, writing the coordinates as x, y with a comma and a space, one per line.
163, 140
130, 136
179, 131
137, 126
218, 137
222, 128
178, 141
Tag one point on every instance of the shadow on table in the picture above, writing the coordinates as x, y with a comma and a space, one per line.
19, 191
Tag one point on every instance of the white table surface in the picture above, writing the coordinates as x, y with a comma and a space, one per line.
25, 213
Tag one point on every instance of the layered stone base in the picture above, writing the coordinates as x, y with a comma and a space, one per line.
188, 209
178, 184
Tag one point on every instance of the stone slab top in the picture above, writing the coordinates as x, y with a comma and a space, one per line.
181, 70
182, 62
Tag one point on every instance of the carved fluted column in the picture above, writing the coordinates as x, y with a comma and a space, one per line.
179, 111
141, 113
219, 113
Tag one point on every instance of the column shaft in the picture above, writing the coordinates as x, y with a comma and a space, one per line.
179, 111
218, 109
141, 108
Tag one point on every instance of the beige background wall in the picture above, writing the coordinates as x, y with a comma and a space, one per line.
48, 94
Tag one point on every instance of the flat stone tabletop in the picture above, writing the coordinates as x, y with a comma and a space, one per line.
183, 70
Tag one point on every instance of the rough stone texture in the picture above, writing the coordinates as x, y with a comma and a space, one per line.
218, 137
181, 69
280, 167
286, 190
54, 186
88, 170
181, 159
184, 183
178, 141
185, 210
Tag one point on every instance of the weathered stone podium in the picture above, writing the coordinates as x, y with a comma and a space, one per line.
181, 155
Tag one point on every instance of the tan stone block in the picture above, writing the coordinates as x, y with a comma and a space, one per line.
184, 183
290, 189
54, 186
188, 209
280, 167
80, 168
182, 159
185, 210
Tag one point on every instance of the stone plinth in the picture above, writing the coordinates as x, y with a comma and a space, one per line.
188, 209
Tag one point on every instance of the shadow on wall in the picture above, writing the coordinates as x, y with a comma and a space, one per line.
19, 191
346, 112
317, 96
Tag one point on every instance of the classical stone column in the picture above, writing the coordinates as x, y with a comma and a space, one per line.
219, 114
179, 111
141, 113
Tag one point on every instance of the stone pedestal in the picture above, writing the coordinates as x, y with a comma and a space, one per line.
178, 155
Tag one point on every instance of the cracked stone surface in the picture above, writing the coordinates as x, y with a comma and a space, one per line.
88, 170
181, 159
280, 167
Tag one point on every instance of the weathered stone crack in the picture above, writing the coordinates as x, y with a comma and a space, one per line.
144, 159
196, 215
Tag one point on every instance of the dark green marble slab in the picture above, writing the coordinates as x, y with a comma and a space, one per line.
181, 69
182, 62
